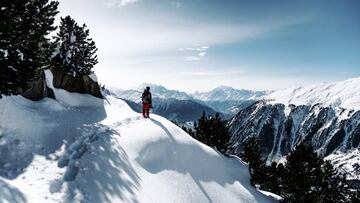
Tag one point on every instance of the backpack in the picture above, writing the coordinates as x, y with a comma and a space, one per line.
146, 97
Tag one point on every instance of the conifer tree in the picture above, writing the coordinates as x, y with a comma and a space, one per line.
212, 131
273, 180
302, 175
75, 51
257, 166
334, 188
24, 45
308, 178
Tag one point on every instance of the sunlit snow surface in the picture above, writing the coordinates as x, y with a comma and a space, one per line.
110, 153
345, 94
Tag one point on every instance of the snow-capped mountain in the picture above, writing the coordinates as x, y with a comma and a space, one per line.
157, 91
225, 93
164, 93
324, 115
227, 99
79, 148
345, 94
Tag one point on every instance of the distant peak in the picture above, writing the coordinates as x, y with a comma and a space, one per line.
223, 87
151, 85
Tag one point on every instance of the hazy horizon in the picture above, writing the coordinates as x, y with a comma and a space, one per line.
199, 45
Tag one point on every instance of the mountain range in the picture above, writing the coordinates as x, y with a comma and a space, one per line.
184, 107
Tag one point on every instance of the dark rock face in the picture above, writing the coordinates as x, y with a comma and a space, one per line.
280, 128
81, 84
38, 90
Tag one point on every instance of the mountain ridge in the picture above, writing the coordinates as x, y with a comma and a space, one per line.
325, 115
345, 94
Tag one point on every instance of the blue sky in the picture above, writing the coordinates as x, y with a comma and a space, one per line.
200, 44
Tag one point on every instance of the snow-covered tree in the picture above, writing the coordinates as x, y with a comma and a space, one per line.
24, 43
75, 52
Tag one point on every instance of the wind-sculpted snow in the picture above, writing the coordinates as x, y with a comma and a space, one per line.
83, 149
279, 128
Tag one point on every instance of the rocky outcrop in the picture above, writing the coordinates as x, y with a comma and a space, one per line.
38, 89
78, 84
83, 84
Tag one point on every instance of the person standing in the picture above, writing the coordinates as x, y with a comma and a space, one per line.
146, 101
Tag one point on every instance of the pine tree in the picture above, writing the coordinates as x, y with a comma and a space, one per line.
75, 51
334, 188
302, 175
273, 180
212, 131
308, 178
24, 46
257, 166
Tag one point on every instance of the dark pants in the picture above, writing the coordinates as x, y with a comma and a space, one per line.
145, 110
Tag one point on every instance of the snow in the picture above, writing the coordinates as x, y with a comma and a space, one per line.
20, 54
83, 149
72, 38
348, 163
345, 94
93, 77
222, 93
5, 51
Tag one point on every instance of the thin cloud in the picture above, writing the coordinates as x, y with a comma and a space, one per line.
119, 3
198, 52
213, 73
202, 54
192, 58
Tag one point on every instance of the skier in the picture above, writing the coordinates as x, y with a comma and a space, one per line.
146, 101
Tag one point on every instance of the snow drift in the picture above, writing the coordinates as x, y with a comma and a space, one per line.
79, 148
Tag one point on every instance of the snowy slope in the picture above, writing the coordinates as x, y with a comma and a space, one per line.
345, 94
111, 153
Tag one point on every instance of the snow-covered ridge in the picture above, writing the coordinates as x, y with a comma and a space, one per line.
345, 94
110, 153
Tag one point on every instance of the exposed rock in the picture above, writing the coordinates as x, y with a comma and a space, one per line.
78, 84
280, 128
38, 89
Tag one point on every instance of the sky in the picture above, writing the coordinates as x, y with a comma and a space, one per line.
194, 45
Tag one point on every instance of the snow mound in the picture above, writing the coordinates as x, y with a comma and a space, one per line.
345, 94
83, 149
